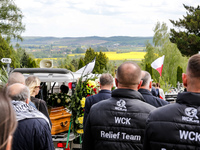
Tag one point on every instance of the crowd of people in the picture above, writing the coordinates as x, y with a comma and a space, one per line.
127, 118
26, 122
134, 119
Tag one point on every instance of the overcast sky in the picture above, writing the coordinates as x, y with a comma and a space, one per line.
80, 18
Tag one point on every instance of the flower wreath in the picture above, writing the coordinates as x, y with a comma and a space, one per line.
83, 89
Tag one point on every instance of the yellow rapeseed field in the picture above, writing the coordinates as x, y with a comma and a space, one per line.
125, 56
116, 56
121, 56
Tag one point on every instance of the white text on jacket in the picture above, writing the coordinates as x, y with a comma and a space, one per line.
122, 120
191, 135
120, 135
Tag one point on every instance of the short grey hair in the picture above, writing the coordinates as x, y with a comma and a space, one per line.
106, 79
146, 78
23, 94
16, 77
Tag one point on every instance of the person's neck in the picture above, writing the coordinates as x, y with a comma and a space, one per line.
128, 87
193, 89
106, 88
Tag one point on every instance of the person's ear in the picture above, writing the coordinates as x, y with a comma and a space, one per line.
150, 85
112, 86
139, 85
184, 78
116, 82
27, 101
100, 85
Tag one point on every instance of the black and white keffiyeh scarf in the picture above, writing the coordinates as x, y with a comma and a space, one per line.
25, 111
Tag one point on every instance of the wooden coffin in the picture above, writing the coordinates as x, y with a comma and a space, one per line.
60, 119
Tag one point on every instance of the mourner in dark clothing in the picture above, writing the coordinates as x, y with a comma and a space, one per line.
153, 91
64, 89
145, 91
33, 130
118, 123
106, 84
177, 126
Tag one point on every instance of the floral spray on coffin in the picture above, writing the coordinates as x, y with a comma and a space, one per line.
89, 86
59, 115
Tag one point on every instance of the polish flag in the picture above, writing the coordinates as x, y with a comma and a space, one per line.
158, 64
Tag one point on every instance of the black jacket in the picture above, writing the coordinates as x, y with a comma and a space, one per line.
175, 126
41, 106
152, 100
32, 134
91, 100
117, 123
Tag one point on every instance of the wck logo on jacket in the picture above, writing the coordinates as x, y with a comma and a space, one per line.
191, 115
121, 105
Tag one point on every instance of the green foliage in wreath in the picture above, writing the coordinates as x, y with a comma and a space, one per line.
83, 89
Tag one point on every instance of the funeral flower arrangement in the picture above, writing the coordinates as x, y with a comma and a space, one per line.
83, 89
59, 99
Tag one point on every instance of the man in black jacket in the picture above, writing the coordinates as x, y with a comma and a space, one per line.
177, 126
106, 84
118, 123
145, 91
33, 130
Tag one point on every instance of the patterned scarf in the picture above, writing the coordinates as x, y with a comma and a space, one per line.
25, 111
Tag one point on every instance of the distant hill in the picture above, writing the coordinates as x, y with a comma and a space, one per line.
85, 41
54, 47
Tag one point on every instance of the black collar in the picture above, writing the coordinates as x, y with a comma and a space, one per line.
189, 98
127, 93
105, 91
145, 91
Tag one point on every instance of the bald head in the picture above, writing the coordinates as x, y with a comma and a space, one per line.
18, 92
128, 74
16, 77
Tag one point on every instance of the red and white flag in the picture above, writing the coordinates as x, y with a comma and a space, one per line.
158, 64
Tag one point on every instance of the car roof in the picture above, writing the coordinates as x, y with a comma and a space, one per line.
51, 74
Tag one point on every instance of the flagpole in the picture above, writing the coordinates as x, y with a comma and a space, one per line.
159, 79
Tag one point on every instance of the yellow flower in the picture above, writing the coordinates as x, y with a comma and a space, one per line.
80, 131
58, 101
82, 102
80, 120
91, 83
